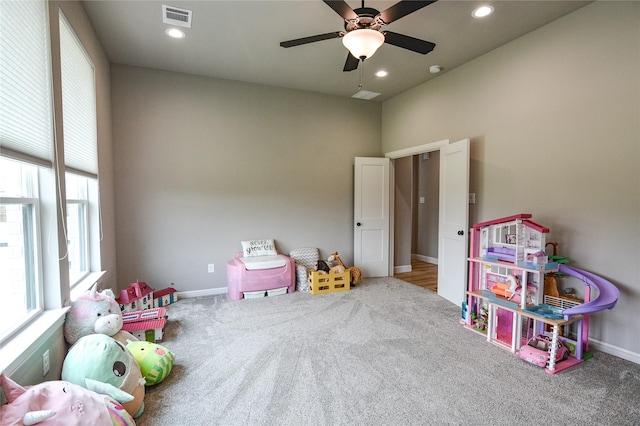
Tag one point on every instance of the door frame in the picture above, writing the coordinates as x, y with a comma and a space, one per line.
393, 155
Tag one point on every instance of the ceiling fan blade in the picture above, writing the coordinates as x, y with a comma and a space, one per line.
409, 43
311, 39
342, 9
403, 8
351, 63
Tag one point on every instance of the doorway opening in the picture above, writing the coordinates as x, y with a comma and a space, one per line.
416, 209
453, 215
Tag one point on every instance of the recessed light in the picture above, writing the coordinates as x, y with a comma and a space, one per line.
174, 32
382, 73
482, 11
435, 69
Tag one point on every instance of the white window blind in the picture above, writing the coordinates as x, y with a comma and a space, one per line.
78, 104
26, 131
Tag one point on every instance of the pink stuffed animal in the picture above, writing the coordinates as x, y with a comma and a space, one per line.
63, 403
95, 313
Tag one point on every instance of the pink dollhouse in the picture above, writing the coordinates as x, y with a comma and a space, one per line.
506, 300
137, 296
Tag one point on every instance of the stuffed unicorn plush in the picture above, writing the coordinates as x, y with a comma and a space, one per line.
62, 403
95, 312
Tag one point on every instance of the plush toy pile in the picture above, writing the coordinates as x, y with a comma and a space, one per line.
101, 351
336, 265
103, 375
355, 273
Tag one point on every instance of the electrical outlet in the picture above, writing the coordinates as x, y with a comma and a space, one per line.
45, 363
211, 268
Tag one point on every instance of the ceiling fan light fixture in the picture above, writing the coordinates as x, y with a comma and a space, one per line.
363, 43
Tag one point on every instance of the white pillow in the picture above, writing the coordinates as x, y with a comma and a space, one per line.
253, 248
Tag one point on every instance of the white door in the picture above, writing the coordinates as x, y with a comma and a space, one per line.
453, 230
371, 216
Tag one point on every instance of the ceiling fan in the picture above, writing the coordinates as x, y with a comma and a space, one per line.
362, 35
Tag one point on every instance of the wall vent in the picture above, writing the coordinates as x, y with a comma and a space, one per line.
176, 16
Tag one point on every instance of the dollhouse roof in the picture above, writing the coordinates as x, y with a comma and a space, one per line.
537, 227
144, 325
502, 220
164, 292
142, 288
144, 315
134, 292
127, 295
525, 221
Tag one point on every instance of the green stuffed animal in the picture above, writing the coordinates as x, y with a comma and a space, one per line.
155, 361
104, 359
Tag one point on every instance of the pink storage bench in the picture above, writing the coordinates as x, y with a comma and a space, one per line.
260, 273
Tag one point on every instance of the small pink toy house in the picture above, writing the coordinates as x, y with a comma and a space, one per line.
165, 297
137, 296
146, 324
128, 300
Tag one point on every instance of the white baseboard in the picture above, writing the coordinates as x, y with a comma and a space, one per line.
614, 350
427, 259
407, 268
202, 293
401, 268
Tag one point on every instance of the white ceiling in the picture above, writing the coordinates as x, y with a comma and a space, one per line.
239, 40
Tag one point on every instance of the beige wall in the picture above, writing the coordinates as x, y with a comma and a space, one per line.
426, 238
554, 119
202, 164
403, 213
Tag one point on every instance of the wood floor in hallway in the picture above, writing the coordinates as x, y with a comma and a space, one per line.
422, 274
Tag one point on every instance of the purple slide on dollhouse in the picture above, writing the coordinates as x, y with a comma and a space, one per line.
607, 293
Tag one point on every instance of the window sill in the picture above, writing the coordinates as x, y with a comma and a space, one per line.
16, 350
86, 283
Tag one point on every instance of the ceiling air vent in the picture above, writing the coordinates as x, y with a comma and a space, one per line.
175, 16
363, 94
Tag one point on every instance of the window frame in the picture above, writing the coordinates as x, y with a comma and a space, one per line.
32, 258
82, 208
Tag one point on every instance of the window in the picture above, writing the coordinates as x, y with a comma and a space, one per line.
26, 141
80, 146
77, 227
35, 242
19, 254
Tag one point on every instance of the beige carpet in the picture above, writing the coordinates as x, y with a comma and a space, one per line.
384, 353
